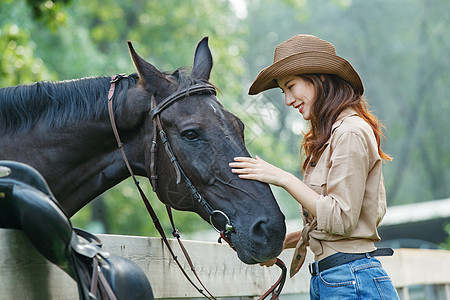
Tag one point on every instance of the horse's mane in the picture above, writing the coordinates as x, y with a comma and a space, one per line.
55, 104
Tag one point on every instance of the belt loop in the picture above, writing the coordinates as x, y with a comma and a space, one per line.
313, 268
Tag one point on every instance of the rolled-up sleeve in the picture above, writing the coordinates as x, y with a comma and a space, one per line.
338, 211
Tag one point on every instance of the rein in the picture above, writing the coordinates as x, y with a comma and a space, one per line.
275, 290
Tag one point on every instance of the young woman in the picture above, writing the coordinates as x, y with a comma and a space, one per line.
342, 195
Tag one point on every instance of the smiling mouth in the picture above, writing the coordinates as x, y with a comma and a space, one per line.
300, 107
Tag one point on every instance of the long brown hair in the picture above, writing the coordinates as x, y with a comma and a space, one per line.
333, 96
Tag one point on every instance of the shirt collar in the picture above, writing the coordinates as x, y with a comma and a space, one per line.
342, 116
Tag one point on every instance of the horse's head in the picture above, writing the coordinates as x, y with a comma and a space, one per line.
205, 138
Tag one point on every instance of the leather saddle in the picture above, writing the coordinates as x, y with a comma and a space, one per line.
27, 203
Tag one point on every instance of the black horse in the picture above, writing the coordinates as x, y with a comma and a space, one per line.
63, 130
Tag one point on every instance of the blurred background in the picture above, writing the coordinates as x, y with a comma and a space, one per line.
400, 48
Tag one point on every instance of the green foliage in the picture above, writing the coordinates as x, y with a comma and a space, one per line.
50, 12
446, 245
56, 40
18, 61
400, 49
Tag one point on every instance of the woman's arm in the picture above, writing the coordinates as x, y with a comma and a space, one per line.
258, 169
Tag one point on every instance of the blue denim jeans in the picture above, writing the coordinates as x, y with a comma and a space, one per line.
360, 279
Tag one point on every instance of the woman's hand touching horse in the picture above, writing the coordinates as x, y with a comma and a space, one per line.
258, 169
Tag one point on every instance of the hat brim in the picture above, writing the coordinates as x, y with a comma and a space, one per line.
306, 63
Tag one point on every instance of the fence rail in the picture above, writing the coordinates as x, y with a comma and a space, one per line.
25, 274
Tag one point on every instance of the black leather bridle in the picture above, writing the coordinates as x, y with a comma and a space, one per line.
275, 290
155, 115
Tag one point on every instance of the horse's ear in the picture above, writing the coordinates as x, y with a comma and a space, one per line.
149, 76
203, 61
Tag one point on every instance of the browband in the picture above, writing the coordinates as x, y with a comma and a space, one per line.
194, 89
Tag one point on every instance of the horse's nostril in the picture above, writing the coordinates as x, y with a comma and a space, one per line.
259, 232
266, 237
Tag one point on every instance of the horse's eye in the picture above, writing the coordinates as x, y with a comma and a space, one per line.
190, 135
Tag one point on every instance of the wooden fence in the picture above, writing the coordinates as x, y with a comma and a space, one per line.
25, 274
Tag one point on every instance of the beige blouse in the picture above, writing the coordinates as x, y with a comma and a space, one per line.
352, 199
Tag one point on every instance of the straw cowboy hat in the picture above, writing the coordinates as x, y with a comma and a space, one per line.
305, 54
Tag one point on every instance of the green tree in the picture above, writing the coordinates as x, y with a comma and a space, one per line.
446, 245
400, 48
56, 40
18, 60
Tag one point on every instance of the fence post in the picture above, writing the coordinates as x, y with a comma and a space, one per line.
404, 293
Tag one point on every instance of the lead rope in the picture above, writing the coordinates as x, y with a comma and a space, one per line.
276, 288
150, 209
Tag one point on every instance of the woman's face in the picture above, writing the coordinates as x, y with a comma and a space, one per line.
299, 94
